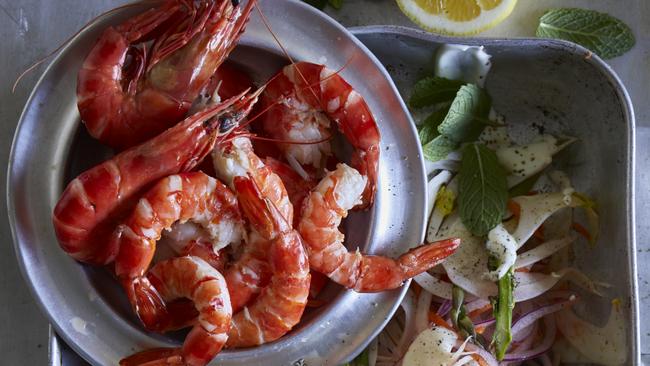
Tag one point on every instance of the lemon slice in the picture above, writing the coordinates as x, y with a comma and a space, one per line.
457, 17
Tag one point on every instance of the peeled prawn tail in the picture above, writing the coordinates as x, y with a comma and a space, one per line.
191, 278
280, 305
322, 212
381, 273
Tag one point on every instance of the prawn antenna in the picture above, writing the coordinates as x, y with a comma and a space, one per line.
284, 50
69, 39
292, 142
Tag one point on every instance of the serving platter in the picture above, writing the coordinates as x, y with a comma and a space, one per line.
85, 305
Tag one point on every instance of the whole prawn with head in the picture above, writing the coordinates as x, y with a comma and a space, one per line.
128, 92
87, 214
303, 102
276, 310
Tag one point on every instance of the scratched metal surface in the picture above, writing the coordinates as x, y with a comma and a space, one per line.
31, 28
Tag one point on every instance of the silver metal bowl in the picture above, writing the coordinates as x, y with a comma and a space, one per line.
88, 308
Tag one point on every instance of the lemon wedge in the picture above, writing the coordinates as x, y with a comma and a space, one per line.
457, 17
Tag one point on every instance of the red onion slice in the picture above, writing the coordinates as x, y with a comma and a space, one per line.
546, 344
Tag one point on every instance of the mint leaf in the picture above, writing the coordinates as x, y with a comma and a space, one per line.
482, 189
433, 90
503, 306
428, 130
438, 148
602, 33
468, 114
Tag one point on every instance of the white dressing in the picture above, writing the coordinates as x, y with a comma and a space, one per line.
459, 62
502, 246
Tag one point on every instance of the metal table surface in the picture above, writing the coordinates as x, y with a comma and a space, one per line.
30, 29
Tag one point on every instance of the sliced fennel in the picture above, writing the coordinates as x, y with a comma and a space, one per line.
523, 161
431, 347
604, 346
503, 248
433, 187
534, 210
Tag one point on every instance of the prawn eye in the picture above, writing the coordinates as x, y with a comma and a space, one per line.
227, 123
235, 2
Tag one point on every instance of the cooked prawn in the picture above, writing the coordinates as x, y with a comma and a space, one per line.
251, 272
193, 197
128, 94
86, 215
321, 215
194, 279
280, 304
303, 100
298, 186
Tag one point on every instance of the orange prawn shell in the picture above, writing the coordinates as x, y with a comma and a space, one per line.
326, 91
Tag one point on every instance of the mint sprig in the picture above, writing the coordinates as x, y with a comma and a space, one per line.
439, 148
433, 90
483, 189
601, 33
445, 129
468, 114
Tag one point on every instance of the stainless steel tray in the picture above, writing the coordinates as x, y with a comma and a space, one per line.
565, 89
86, 306
555, 84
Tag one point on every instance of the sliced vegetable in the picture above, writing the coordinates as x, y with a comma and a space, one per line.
536, 209
467, 266
482, 189
525, 186
495, 137
459, 317
606, 345
436, 190
524, 161
431, 347
543, 347
503, 305
532, 284
503, 248
434, 285
542, 251
444, 204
